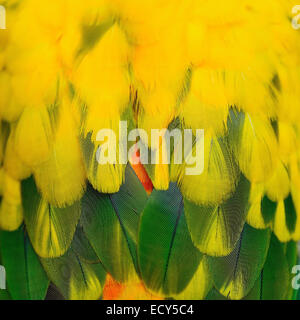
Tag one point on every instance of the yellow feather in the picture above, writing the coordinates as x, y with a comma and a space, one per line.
38, 60
295, 187
10, 110
161, 179
61, 178
290, 87
91, 290
296, 199
34, 136
4, 133
12, 162
256, 148
287, 137
11, 213
278, 186
254, 215
106, 178
110, 60
159, 173
159, 61
280, 227
219, 178
104, 69
206, 106
199, 286
1, 181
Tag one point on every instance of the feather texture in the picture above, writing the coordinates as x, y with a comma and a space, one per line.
11, 212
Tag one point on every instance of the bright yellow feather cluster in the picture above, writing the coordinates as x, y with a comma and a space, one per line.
69, 68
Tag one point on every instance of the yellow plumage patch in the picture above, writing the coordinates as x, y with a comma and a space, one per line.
61, 178
287, 140
11, 213
278, 186
296, 199
12, 162
280, 227
104, 69
254, 216
206, 105
218, 180
256, 148
91, 291
34, 136
106, 177
9, 109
